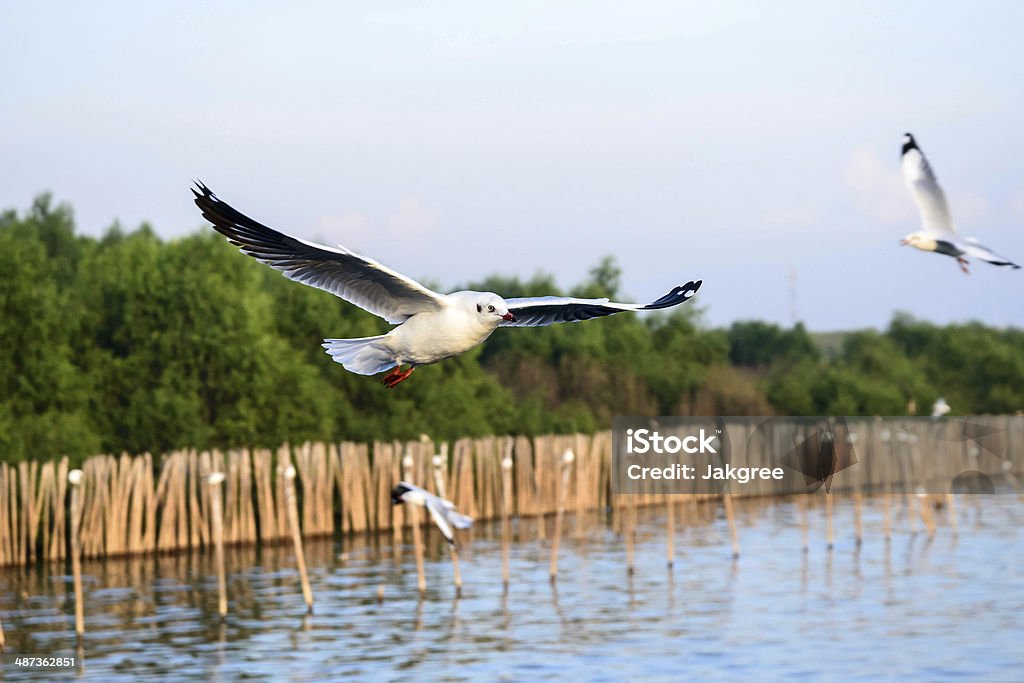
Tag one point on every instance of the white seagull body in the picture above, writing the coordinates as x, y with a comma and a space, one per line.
441, 511
938, 232
429, 326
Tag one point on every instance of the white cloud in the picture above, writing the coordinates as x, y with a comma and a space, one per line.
342, 229
412, 219
968, 208
877, 187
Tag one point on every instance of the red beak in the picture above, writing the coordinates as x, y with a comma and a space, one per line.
904, 242
509, 317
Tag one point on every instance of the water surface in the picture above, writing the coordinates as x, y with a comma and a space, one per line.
945, 608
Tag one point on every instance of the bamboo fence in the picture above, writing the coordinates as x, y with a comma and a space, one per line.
145, 504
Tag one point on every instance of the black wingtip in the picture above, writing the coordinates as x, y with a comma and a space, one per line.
678, 295
909, 143
200, 189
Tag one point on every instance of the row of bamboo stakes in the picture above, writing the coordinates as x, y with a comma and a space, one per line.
137, 505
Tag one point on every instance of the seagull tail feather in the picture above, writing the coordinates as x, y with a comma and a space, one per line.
363, 356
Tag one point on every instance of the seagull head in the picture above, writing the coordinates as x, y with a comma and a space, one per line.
398, 493
492, 308
920, 241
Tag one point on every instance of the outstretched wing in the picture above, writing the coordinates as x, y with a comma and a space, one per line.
547, 310
357, 279
921, 181
438, 515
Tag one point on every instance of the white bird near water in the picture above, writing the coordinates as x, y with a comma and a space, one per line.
429, 326
441, 511
938, 231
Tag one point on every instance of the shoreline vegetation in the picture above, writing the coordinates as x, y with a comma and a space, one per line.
130, 343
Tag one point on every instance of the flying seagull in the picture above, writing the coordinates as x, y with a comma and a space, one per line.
441, 511
429, 326
938, 233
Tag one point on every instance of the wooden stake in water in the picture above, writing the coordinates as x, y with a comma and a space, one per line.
293, 522
563, 484
214, 480
414, 519
439, 462
506, 524
730, 516
670, 528
886, 516
951, 504
926, 511
804, 526
912, 513
75, 479
857, 503
830, 534
630, 529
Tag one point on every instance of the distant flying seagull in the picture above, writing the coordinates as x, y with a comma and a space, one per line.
441, 511
940, 407
429, 326
938, 232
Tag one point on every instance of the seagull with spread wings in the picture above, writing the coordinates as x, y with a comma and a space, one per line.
429, 326
441, 511
938, 233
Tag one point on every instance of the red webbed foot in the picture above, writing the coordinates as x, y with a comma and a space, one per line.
396, 376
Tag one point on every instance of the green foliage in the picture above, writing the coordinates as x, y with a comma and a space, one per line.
756, 344
132, 343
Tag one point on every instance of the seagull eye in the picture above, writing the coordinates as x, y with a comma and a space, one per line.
490, 309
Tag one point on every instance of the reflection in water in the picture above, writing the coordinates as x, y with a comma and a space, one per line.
910, 616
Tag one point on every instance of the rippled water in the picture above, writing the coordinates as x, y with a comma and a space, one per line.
952, 607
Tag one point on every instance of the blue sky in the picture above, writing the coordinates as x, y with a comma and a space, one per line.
736, 142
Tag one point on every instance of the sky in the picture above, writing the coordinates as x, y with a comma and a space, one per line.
751, 145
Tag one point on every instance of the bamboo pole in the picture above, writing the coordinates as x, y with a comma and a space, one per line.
887, 515
563, 484
506, 504
912, 513
730, 516
630, 526
804, 527
670, 530
417, 539
293, 522
951, 504
857, 503
214, 480
75, 479
439, 462
830, 534
926, 511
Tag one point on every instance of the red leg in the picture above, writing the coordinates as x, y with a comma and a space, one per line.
963, 265
390, 377
396, 376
